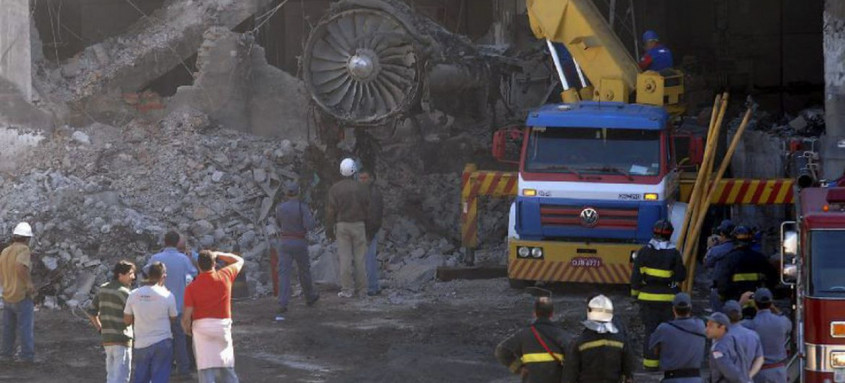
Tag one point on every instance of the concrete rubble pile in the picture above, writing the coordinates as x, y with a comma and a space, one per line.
100, 194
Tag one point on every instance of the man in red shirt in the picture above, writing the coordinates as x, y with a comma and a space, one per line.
208, 316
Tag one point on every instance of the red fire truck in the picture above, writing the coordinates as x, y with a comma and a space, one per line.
817, 274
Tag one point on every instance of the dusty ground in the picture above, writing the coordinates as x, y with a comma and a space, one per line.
445, 334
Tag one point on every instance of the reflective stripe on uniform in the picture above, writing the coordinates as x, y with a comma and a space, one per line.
651, 363
634, 293
540, 357
659, 273
601, 343
515, 366
656, 297
745, 277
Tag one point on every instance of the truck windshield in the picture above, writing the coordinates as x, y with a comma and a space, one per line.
593, 151
827, 276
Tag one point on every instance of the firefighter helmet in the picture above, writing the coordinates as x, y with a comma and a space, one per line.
600, 309
662, 229
742, 233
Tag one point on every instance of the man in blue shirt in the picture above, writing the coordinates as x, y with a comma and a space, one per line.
179, 270
748, 341
295, 221
680, 343
725, 360
773, 329
657, 57
714, 259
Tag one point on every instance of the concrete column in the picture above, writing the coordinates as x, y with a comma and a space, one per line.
15, 45
833, 150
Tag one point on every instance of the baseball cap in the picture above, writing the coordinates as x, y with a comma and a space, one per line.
291, 187
719, 318
682, 300
731, 306
763, 295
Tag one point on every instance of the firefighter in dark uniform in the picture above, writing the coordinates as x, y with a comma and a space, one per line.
743, 268
680, 344
658, 269
601, 354
537, 352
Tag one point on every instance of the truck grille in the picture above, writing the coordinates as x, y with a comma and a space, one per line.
570, 216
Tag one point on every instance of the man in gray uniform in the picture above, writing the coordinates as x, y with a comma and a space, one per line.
748, 341
680, 343
295, 221
725, 360
773, 329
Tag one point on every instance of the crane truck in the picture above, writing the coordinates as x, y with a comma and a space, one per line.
596, 171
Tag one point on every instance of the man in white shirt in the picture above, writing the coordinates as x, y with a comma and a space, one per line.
151, 309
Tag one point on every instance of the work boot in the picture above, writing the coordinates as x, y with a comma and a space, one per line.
344, 294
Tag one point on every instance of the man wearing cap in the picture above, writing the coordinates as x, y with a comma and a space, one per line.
601, 354
657, 272
657, 57
295, 221
537, 352
179, 270
715, 256
773, 329
725, 361
748, 341
680, 344
743, 268
18, 293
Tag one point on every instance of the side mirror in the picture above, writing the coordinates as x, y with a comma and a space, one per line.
507, 143
788, 248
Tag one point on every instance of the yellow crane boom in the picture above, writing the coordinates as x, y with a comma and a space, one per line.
613, 73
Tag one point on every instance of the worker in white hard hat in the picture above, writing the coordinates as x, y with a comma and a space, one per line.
601, 354
346, 217
18, 294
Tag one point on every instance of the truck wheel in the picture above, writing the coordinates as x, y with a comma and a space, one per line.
519, 284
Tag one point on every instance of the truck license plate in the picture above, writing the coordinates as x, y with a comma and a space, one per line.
839, 375
586, 262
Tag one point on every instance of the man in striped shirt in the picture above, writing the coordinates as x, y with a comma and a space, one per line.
106, 314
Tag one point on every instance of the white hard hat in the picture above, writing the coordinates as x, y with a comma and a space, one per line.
348, 167
23, 230
600, 309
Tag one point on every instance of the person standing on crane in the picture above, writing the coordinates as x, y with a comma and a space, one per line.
657, 57
658, 269
536, 353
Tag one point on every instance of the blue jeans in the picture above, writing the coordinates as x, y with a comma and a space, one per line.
19, 319
180, 347
372, 266
218, 375
289, 252
118, 363
152, 364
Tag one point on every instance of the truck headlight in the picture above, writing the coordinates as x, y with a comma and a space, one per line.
650, 196
837, 359
537, 252
523, 252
